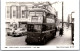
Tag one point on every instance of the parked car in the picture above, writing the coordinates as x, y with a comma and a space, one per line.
9, 31
19, 32
24, 31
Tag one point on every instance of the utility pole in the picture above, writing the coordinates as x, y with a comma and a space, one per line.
62, 17
72, 29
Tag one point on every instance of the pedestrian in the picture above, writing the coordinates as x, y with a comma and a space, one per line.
61, 32
56, 29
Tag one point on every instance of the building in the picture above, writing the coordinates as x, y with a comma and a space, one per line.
17, 13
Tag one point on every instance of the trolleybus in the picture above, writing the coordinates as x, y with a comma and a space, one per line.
42, 26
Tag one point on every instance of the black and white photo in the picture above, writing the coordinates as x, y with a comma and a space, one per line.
40, 24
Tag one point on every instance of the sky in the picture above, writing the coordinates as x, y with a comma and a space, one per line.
68, 7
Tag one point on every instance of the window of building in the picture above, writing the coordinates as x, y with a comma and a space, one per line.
23, 14
14, 13
8, 12
23, 11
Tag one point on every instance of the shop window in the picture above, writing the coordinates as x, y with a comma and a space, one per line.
7, 24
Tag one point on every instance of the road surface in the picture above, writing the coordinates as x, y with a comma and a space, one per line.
58, 40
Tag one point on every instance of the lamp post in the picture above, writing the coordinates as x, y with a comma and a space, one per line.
71, 16
62, 17
72, 29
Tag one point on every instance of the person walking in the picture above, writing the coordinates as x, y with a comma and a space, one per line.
61, 32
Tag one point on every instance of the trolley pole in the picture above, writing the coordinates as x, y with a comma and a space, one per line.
62, 17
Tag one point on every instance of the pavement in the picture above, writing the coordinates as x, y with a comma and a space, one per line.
65, 39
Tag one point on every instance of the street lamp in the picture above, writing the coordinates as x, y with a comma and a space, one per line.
62, 15
72, 29
71, 16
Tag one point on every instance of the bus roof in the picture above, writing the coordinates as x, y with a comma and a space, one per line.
40, 10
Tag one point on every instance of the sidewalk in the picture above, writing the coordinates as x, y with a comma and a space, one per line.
64, 40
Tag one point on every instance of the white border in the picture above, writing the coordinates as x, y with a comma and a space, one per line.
76, 29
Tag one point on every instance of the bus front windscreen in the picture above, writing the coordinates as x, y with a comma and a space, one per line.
34, 28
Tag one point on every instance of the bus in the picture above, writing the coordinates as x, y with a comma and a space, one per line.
41, 27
